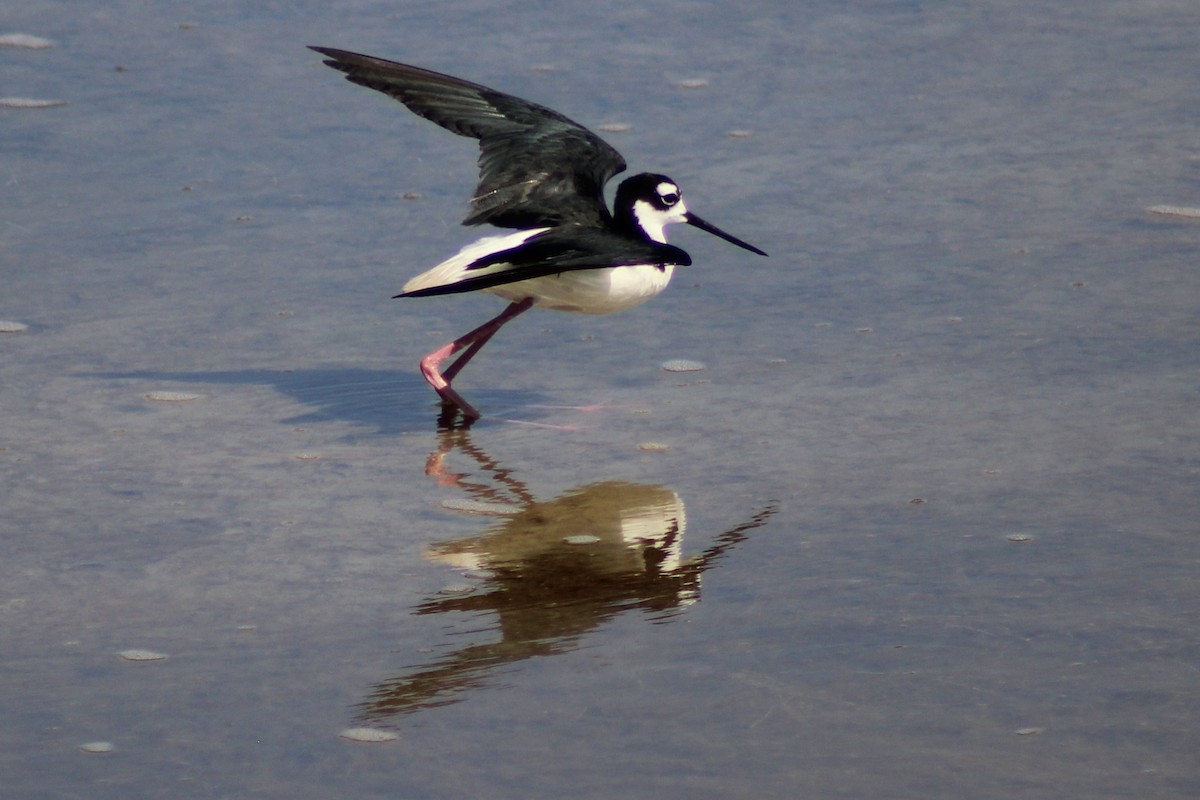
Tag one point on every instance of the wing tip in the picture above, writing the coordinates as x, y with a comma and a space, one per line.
328, 52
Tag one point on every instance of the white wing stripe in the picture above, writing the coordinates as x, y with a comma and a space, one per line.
454, 269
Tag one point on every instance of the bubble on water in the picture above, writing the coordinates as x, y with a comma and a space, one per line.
8, 326
97, 747
581, 538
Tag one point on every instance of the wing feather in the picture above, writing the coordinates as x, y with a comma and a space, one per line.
495, 261
537, 168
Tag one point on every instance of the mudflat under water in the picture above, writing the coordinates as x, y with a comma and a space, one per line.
925, 526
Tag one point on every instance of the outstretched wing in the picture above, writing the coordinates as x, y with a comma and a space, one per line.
536, 167
533, 254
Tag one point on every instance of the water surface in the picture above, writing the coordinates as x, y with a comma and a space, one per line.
925, 526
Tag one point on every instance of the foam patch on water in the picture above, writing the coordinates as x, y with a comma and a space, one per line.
29, 102
1175, 211
171, 397
683, 365
480, 507
142, 655
26, 41
368, 735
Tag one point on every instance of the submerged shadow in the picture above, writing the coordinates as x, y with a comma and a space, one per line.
548, 572
388, 402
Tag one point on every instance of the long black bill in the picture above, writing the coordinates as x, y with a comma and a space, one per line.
692, 219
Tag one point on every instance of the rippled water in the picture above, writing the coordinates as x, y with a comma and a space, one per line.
925, 524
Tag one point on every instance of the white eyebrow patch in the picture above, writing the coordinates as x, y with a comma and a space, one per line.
666, 188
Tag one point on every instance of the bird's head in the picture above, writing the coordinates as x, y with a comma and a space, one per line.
649, 202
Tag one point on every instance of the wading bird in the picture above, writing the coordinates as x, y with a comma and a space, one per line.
542, 175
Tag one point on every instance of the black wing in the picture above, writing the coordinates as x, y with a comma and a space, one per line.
536, 167
558, 250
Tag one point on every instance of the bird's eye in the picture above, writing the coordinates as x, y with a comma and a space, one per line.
670, 199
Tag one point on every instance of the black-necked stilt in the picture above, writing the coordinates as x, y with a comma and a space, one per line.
543, 175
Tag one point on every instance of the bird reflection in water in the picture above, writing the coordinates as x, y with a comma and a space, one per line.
550, 572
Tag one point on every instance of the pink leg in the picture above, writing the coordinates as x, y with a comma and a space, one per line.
473, 342
449, 372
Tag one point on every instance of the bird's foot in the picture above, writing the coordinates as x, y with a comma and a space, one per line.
456, 412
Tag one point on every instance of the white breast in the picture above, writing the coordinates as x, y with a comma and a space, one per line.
585, 291
591, 291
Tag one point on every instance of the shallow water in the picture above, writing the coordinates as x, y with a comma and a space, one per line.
925, 525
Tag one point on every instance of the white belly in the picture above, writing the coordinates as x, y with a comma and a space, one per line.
591, 291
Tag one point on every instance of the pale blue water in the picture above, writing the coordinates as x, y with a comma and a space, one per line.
926, 526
